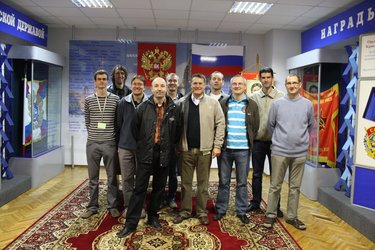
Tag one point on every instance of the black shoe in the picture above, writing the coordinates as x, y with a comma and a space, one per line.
243, 218
155, 223
252, 207
280, 213
125, 231
218, 216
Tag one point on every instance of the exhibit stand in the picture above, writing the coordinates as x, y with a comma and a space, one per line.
37, 81
363, 183
320, 72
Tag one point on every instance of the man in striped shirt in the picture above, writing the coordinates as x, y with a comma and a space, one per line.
242, 120
100, 115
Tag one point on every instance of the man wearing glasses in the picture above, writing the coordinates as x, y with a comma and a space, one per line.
290, 122
100, 114
127, 144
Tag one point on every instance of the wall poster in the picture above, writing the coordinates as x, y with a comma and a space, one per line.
367, 56
364, 149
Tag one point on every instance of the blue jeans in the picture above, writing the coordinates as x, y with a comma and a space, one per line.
242, 160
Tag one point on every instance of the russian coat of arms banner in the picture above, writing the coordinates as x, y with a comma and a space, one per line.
156, 59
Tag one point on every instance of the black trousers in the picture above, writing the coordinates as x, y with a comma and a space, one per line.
143, 173
261, 149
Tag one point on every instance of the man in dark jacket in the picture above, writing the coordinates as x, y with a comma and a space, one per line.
119, 75
127, 144
242, 123
157, 133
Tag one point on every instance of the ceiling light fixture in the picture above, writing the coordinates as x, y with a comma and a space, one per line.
127, 41
250, 8
218, 44
92, 3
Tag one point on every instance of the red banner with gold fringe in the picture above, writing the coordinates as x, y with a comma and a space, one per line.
328, 123
156, 59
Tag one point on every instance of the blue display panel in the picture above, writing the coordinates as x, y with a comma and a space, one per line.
363, 187
355, 21
17, 24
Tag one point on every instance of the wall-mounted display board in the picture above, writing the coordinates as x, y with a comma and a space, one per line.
364, 140
364, 150
367, 56
363, 187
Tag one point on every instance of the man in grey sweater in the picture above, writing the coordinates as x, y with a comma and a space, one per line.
290, 121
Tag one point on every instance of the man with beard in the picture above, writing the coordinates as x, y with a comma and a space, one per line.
119, 75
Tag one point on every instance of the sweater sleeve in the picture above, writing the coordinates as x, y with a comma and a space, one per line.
87, 113
272, 119
311, 119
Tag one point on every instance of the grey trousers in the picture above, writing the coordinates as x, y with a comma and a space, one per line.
95, 151
128, 164
296, 167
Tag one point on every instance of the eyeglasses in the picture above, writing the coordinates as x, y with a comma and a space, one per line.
292, 83
172, 80
101, 79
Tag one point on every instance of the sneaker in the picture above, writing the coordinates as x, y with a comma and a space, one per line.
143, 213
297, 224
268, 222
172, 204
88, 213
114, 213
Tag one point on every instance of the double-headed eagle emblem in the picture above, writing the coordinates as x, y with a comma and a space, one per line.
156, 63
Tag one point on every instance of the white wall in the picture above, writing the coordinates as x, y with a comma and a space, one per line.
281, 45
273, 49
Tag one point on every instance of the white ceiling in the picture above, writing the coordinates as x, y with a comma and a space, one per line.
204, 15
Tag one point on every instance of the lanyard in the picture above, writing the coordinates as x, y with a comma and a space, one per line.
100, 108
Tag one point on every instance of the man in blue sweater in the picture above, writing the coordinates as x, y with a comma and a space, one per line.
290, 121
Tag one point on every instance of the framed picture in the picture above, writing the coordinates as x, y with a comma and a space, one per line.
367, 55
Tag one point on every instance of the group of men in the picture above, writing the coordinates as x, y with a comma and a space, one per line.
159, 134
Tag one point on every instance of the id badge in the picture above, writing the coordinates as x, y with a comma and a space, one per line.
101, 125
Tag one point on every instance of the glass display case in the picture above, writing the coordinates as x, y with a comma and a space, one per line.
320, 74
37, 87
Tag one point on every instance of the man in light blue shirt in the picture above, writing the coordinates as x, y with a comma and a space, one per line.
242, 123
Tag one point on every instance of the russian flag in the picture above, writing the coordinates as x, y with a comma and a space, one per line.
207, 59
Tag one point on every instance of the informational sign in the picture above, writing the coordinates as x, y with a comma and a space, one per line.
364, 149
367, 56
17, 24
355, 21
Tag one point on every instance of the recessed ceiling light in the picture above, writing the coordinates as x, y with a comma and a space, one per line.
127, 41
250, 8
218, 44
92, 3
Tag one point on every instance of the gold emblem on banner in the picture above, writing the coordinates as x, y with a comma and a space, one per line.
156, 63
369, 142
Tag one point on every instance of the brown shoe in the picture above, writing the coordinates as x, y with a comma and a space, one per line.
178, 219
204, 220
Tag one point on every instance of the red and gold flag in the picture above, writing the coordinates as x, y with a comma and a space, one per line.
156, 59
328, 123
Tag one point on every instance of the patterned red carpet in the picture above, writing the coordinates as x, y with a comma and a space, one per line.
61, 228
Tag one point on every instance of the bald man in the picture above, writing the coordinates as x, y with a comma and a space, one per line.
156, 131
